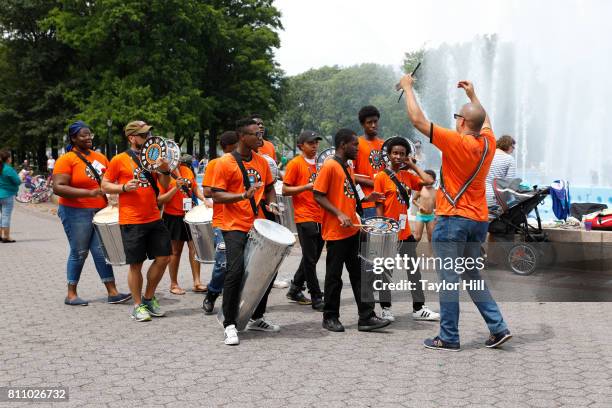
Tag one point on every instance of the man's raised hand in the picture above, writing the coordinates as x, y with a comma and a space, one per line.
468, 87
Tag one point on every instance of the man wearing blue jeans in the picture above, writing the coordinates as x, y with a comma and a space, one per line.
228, 141
462, 214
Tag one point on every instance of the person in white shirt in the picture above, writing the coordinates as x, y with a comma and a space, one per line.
503, 166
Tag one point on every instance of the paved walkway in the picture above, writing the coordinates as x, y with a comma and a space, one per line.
561, 354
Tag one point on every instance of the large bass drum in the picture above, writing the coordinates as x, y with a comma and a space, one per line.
268, 245
199, 222
287, 217
379, 238
106, 223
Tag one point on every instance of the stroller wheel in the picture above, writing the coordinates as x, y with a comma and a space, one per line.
522, 259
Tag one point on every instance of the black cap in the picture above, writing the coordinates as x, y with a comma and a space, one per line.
308, 136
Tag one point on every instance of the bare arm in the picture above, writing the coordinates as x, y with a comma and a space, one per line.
295, 190
321, 198
415, 113
224, 197
62, 188
364, 181
110, 187
167, 196
207, 192
270, 194
380, 209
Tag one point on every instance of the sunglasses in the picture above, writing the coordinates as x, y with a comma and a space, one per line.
457, 116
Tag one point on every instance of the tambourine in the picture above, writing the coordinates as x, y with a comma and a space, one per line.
154, 148
385, 157
327, 154
174, 153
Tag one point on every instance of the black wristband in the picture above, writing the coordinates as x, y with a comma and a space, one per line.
165, 173
123, 188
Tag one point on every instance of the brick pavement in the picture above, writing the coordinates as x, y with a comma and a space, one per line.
561, 354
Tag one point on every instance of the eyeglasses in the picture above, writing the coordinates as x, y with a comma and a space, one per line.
457, 116
143, 135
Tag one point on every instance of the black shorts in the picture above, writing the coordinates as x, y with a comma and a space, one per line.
142, 241
179, 231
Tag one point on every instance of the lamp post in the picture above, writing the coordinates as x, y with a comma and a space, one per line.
109, 123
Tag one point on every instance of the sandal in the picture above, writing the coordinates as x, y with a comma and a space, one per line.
200, 288
177, 290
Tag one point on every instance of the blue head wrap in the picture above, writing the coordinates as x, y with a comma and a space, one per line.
73, 130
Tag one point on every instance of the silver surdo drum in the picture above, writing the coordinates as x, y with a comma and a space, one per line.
379, 238
106, 223
287, 217
199, 222
268, 245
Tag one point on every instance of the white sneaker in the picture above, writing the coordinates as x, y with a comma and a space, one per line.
426, 314
387, 314
279, 284
261, 325
231, 336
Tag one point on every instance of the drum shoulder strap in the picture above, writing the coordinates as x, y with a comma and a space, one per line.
350, 180
393, 176
144, 171
89, 166
245, 180
463, 189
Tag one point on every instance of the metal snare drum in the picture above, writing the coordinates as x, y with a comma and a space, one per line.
379, 238
268, 245
106, 223
199, 222
287, 217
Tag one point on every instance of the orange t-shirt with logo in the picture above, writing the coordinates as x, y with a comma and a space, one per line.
239, 216
138, 206
267, 148
394, 204
82, 177
460, 157
332, 182
299, 173
369, 162
175, 205
209, 175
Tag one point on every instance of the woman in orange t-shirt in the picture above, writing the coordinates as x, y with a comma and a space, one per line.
77, 183
177, 201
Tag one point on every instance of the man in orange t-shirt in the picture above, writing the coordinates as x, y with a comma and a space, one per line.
142, 229
238, 216
177, 200
337, 195
462, 214
228, 141
369, 159
298, 183
395, 206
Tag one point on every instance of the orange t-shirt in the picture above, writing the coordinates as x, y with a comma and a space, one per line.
138, 206
460, 157
239, 216
394, 204
267, 148
298, 173
332, 182
82, 177
369, 162
175, 205
209, 175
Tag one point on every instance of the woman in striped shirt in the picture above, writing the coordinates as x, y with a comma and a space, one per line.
503, 166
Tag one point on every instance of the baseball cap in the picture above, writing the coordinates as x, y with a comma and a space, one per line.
308, 136
137, 126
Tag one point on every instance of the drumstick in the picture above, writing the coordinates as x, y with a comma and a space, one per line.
412, 75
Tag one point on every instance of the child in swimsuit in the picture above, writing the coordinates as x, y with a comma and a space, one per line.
425, 201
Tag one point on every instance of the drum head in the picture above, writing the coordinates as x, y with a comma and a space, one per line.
199, 213
274, 232
154, 147
380, 225
385, 156
174, 153
108, 215
278, 187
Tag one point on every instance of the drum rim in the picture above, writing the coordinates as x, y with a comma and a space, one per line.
208, 211
285, 231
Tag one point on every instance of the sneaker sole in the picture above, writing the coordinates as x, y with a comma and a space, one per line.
116, 302
141, 320
440, 348
231, 344
370, 328
427, 319
500, 342
262, 330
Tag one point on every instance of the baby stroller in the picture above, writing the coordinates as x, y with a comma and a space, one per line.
508, 223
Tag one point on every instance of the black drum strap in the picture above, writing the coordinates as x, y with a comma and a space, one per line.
405, 195
350, 180
146, 172
245, 180
453, 201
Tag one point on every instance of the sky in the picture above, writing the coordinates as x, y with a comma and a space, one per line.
348, 32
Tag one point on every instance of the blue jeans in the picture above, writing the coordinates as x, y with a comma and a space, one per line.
458, 237
218, 274
82, 239
6, 209
369, 212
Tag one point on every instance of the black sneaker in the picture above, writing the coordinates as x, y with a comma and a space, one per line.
438, 344
209, 302
333, 324
372, 323
295, 295
317, 303
496, 340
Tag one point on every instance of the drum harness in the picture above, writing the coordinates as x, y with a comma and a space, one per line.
400, 188
245, 180
91, 168
451, 200
144, 171
350, 180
